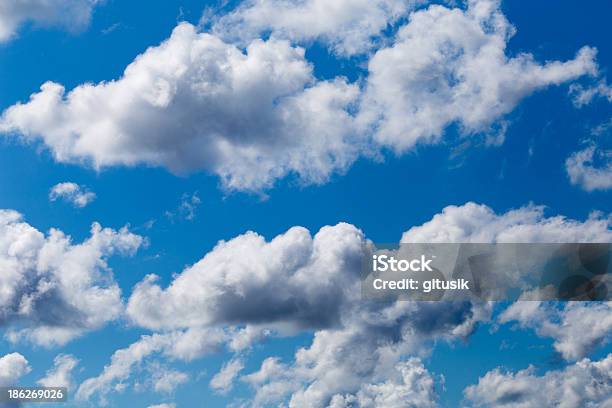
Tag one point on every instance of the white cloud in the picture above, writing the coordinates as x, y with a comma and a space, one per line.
584, 384
70, 192
12, 367
410, 386
582, 96
295, 279
195, 102
256, 115
185, 345
450, 66
347, 26
54, 289
120, 367
298, 281
577, 327
582, 170
478, 223
223, 381
61, 373
245, 337
366, 349
72, 15
165, 405
167, 380
195, 342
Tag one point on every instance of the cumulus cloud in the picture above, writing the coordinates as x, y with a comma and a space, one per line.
51, 289
72, 15
223, 381
583, 171
345, 368
410, 386
584, 384
258, 114
368, 348
450, 66
301, 281
348, 27
195, 102
478, 223
12, 367
577, 327
61, 373
295, 279
298, 281
72, 193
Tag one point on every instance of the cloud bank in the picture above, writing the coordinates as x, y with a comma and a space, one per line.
255, 115
248, 288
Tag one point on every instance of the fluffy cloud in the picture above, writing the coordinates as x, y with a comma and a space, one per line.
298, 281
410, 386
347, 26
165, 405
450, 66
583, 171
355, 364
585, 384
70, 14
195, 102
223, 381
52, 290
295, 279
255, 115
12, 367
478, 223
61, 373
577, 328
76, 195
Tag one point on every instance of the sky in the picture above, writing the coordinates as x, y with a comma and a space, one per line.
185, 188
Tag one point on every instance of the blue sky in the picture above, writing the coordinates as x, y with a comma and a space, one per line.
383, 189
